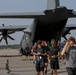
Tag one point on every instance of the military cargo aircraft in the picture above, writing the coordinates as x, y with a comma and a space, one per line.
46, 25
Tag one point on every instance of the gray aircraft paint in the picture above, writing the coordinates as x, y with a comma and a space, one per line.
51, 4
28, 39
28, 35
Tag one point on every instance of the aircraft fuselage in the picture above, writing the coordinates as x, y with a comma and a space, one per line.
49, 26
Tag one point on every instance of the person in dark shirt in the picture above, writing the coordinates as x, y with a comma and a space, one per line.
39, 53
46, 49
54, 54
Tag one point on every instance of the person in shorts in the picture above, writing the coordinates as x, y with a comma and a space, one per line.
53, 57
39, 53
70, 51
46, 48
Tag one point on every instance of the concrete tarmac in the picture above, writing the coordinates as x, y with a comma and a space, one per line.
18, 65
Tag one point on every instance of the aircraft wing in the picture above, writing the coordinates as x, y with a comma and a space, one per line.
71, 26
72, 13
22, 15
14, 28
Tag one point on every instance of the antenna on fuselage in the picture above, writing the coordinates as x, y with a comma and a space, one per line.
2, 23
52, 4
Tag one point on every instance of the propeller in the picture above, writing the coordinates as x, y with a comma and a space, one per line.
5, 38
5, 35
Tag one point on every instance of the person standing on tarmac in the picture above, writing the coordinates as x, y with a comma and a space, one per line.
39, 53
70, 51
46, 48
54, 53
63, 57
32, 50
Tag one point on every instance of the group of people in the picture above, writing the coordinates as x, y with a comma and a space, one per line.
44, 55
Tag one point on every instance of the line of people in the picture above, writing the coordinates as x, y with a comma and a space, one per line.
44, 54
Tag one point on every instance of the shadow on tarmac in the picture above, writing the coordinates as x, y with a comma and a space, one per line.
13, 74
60, 72
22, 70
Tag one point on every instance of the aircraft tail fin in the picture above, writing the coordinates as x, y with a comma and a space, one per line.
52, 4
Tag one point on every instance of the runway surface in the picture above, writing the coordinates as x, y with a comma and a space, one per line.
15, 64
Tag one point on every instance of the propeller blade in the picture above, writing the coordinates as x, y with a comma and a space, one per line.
65, 38
6, 41
1, 39
10, 37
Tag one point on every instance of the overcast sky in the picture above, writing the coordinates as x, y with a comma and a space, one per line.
28, 6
